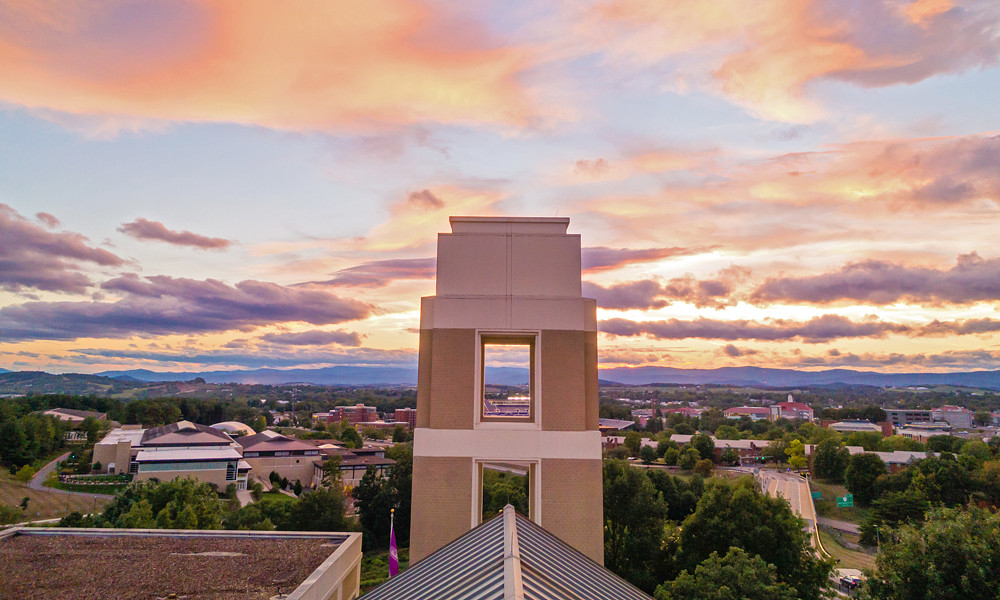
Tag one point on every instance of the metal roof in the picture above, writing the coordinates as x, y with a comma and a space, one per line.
188, 454
507, 558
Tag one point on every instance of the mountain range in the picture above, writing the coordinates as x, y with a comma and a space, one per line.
743, 376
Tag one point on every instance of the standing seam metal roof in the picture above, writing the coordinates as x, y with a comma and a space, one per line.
507, 557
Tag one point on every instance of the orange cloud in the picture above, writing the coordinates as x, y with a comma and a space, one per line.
764, 54
295, 65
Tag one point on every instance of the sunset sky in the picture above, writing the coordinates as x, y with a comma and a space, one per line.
207, 185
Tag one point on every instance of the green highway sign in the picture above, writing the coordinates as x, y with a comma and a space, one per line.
817, 495
845, 502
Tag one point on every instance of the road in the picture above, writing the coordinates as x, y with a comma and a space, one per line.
794, 489
38, 481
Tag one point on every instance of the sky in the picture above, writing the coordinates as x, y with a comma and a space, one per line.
209, 185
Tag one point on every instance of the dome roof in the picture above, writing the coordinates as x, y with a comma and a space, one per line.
234, 427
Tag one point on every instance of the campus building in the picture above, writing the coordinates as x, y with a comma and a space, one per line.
508, 291
182, 449
290, 458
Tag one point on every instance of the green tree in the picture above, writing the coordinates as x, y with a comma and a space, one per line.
670, 456
704, 467
704, 445
320, 510
892, 510
954, 554
737, 575
260, 424
91, 427
869, 440
738, 514
25, 473
727, 432
351, 437
648, 454
633, 440
730, 456
665, 444
796, 454
399, 434
633, 525
688, 458
977, 449
944, 443
898, 442
860, 475
983, 417
830, 460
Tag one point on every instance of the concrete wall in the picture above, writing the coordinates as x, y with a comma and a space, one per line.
216, 476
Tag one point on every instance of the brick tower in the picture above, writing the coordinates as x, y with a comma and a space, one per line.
507, 286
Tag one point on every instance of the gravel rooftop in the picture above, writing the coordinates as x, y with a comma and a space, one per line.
148, 568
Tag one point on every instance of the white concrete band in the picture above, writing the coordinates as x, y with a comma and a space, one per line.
506, 444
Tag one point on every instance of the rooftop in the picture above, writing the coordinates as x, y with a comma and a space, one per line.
123, 435
127, 564
184, 433
507, 557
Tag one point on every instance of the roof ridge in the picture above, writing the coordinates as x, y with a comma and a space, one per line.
513, 586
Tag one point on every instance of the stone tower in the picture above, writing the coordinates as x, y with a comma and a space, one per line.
507, 285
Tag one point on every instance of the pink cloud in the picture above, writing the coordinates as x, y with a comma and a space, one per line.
143, 229
764, 54
32, 257
383, 62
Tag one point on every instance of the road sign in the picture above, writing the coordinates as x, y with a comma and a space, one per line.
845, 502
817, 495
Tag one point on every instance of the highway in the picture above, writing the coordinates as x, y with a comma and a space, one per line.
793, 488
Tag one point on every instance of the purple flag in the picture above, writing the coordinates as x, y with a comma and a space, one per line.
393, 555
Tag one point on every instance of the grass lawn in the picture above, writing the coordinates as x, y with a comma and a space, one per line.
375, 567
276, 497
827, 505
850, 559
44, 504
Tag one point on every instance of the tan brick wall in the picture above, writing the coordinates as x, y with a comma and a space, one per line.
424, 378
590, 377
573, 504
452, 387
564, 390
286, 466
442, 495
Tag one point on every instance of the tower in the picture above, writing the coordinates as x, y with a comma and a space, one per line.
507, 287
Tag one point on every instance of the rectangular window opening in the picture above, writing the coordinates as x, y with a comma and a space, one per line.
508, 376
504, 483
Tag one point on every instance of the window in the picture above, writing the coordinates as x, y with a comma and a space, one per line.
506, 482
231, 471
281, 453
507, 373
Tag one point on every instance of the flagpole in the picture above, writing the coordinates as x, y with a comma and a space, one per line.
393, 554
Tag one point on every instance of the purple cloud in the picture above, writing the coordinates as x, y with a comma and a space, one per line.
972, 279
143, 229
255, 359
163, 305
314, 338
602, 258
817, 330
424, 199
50, 220
33, 258
648, 293
381, 272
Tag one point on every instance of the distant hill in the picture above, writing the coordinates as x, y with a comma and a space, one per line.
756, 376
324, 376
110, 382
